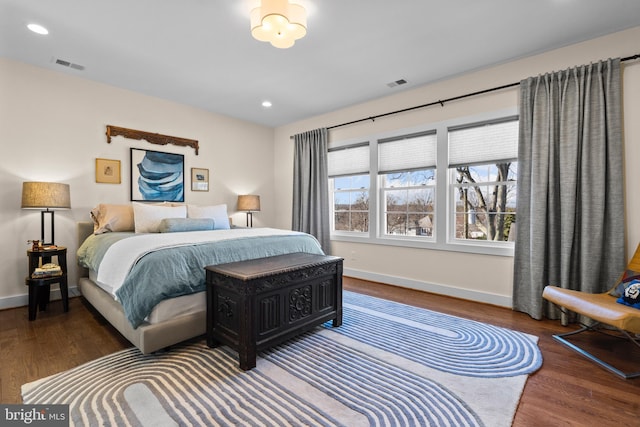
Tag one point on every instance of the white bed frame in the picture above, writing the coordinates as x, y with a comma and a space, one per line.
147, 337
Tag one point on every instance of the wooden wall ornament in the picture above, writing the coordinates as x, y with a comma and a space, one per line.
153, 138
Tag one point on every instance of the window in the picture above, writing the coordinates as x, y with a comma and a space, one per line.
483, 170
484, 199
409, 202
406, 170
450, 185
351, 203
348, 169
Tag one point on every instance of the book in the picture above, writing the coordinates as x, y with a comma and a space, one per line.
47, 270
45, 275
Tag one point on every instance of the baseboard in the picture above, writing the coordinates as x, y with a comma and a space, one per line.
23, 300
484, 297
499, 300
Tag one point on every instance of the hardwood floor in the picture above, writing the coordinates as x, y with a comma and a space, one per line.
568, 390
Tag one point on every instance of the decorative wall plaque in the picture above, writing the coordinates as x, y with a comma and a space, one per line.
153, 138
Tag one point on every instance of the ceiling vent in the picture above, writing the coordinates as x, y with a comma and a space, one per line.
69, 64
397, 83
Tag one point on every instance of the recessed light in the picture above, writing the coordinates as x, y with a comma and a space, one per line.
38, 29
266, 104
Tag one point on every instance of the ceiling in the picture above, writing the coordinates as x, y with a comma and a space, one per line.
201, 53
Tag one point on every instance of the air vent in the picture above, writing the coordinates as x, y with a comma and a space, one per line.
69, 64
397, 83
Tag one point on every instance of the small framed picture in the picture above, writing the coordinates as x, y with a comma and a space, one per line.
108, 171
199, 179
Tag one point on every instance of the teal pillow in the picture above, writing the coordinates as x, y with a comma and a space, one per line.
172, 225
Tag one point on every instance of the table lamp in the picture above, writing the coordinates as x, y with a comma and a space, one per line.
249, 203
47, 196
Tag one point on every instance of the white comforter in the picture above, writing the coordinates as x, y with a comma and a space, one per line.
123, 255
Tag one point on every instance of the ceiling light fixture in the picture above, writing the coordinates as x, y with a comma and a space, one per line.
278, 22
266, 104
38, 29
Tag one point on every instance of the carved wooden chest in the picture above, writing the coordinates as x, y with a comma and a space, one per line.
256, 304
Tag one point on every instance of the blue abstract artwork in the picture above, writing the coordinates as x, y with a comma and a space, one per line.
157, 176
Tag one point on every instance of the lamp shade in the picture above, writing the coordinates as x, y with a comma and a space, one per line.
250, 203
45, 195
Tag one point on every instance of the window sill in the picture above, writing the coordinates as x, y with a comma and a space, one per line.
499, 249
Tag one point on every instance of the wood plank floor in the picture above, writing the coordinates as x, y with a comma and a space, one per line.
567, 391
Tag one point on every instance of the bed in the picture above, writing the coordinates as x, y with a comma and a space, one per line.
150, 286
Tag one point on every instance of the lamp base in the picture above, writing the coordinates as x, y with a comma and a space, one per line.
42, 236
250, 219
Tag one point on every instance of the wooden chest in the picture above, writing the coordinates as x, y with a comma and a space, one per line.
256, 304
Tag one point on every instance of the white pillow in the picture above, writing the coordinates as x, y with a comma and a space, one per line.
217, 212
147, 217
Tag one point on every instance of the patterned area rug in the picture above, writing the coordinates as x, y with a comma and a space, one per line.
388, 365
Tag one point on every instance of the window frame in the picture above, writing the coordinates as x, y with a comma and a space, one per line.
426, 160
443, 227
453, 185
344, 234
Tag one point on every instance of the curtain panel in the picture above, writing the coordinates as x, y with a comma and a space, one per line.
570, 185
311, 186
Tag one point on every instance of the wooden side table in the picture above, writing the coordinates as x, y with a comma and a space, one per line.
39, 288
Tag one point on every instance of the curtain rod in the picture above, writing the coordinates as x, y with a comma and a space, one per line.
441, 102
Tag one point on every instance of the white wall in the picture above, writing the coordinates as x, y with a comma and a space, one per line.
52, 128
481, 277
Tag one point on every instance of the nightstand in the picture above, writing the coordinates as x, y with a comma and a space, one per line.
39, 287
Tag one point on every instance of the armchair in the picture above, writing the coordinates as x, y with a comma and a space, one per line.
604, 309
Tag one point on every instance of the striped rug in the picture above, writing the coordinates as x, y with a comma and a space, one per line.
388, 365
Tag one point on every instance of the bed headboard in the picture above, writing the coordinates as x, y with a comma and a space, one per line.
85, 229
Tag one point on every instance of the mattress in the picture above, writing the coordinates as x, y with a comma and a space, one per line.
167, 309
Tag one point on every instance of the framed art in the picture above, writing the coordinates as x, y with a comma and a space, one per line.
156, 176
199, 179
108, 171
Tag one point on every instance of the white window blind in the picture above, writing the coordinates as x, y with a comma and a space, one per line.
484, 143
348, 160
410, 152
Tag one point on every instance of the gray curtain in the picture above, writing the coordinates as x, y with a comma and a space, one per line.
311, 186
570, 216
